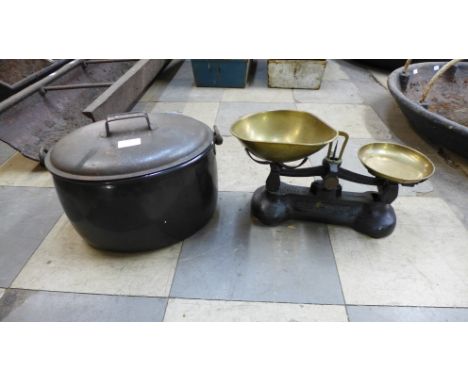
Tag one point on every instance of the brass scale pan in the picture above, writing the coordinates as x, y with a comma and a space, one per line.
289, 135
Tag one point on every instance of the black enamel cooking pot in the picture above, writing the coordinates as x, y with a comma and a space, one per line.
136, 181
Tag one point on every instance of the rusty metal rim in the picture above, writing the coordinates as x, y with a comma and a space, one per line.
394, 88
125, 177
435, 128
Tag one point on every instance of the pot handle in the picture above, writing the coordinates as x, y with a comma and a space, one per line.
120, 117
217, 137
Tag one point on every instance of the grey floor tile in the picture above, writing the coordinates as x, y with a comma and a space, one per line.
172, 69
23, 305
334, 72
185, 71
359, 121
203, 111
155, 90
143, 106
341, 91
258, 94
381, 76
406, 314
176, 70
5, 152
28, 214
230, 112
184, 90
235, 258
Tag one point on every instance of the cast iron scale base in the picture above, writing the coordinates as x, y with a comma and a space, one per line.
324, 201
281, 136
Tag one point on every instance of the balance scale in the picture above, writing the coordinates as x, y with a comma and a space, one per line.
277, 137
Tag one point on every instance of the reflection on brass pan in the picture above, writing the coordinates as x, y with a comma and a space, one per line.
397, 163
283, 135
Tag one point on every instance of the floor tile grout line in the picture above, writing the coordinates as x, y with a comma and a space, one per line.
36, 248
166, 303
25, 186
162, 85
236, 300
253, 301
407, 306
173, 278
337, 270
9, 159
5, 160
88, 293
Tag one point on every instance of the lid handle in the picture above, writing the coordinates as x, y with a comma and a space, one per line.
120, 117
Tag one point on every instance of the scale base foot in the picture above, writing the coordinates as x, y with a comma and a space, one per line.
359, 211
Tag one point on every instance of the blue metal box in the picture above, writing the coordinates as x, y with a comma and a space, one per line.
221, 73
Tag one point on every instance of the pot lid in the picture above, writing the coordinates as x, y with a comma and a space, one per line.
128, 145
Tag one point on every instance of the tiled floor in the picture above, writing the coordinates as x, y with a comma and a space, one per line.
215, 310
65, 263
26, 305
235, 269
21, 171
359, 121
27, 216
5, 152
423, 263
233, 258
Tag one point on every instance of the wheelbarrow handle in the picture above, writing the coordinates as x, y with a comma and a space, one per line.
407, 64
436, 76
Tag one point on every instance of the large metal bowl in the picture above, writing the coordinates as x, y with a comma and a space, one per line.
397, 163
283, 135
445, 120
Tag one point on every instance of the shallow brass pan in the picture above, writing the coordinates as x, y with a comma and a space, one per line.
397, 163
283, 135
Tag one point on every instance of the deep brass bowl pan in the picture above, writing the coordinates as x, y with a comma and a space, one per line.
283, 135
397, 163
